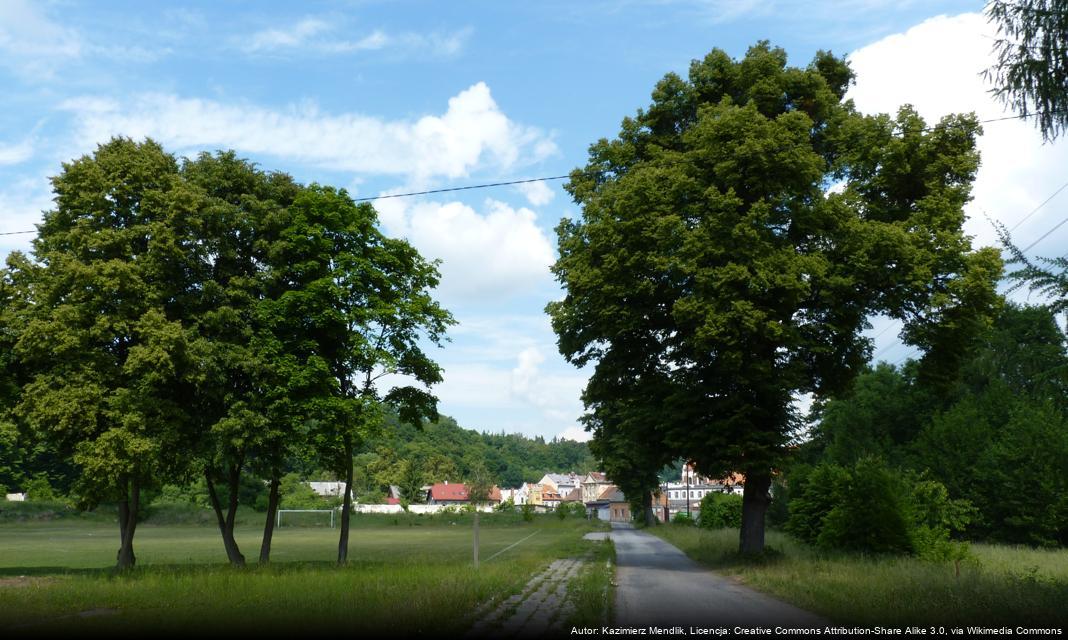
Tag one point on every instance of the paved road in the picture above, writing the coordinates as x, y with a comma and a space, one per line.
659, 585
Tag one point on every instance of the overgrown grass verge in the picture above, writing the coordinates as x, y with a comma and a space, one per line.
591, 592
1000, 585
401, 580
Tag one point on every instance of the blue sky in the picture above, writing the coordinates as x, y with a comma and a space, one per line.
389, 97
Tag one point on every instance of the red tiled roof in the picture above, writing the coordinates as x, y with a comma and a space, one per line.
457, 492
597, 475
574, 496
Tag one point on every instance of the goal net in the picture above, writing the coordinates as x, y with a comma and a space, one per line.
305, 518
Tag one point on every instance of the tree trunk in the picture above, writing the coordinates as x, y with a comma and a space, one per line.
755, 501
476, 536
233, 554
343, 543
237, 559
272, 511
127, 525
647, 509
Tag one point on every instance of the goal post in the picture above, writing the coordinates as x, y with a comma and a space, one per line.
278, 521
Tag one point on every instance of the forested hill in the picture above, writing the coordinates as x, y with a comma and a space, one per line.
408, 456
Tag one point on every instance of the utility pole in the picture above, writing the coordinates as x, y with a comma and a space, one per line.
686, 470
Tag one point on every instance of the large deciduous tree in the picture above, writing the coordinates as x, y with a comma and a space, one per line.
734, 238
101, 344
364, 307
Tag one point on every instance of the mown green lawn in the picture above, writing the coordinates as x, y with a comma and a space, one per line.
999, 585
406, 575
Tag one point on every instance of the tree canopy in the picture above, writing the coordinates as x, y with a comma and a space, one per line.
734, 238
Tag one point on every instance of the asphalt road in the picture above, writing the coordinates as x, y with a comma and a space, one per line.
658, 585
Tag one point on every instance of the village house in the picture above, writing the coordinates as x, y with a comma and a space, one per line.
593, 485
561, 483
444, 493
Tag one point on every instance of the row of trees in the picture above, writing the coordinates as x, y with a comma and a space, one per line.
734, 238
208, 318
998, 437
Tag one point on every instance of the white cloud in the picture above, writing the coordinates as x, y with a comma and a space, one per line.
315, 35
937, 67
31, 43
484, 256
578, 434
294, 36
471, 132
15, 153
525, 374
536, 193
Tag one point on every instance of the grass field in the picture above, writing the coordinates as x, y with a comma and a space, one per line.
1000, 585
407, 575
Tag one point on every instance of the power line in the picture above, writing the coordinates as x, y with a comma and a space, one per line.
1033, 211
1045, 235
472, 186
562, 177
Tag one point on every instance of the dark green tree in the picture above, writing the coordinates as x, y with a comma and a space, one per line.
101, 342
713, 254
1030, 74
365, 308
250, 379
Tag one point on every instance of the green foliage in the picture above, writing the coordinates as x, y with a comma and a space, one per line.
683, 518
527, 511
814, 491
506, 506
713, 272
871, 507
39, 489
294, 493
870, 512
720, 510
1030, 72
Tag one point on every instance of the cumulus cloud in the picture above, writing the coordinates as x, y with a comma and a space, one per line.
317, 35
471, 132
937, 67
537, 193
498, 252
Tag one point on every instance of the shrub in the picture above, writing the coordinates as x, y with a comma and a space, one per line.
871, 512
720, 511
528, 512
507, 506
683, 518
814, 492
870, 507
39, 489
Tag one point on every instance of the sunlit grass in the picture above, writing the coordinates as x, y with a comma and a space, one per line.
405, 576
999, 585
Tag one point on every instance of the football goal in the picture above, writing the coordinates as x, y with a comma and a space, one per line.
305, 517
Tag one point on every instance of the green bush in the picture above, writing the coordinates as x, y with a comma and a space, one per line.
39, 489
294, 493
814, 492
872, 508
720, 511
683, 518
871, 512
528, 512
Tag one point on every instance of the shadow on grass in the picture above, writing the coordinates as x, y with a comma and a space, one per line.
190, 569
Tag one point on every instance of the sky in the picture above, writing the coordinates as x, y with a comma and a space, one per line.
392, 97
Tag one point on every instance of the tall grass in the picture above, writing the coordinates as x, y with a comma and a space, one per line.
999, 585
404, 577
